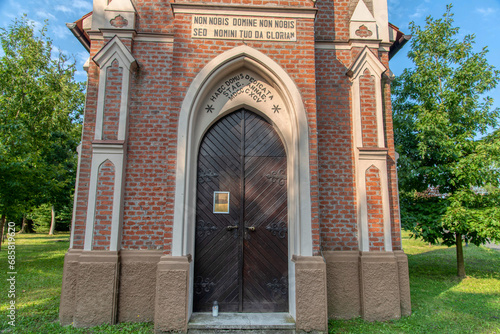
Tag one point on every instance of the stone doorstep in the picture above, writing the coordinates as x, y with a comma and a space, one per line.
241, 331
255, 323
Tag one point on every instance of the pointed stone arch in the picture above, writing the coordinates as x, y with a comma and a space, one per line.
369, 160
366, 61
114, 53
103, 152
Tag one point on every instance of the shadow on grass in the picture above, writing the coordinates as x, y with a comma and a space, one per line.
480, 262
30, 237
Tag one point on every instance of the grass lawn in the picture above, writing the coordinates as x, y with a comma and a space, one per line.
441, 303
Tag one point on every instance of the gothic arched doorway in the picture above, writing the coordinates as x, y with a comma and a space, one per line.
241, 243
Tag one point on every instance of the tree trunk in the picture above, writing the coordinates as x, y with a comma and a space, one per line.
52, 222
460, 256
2, 225
26, 226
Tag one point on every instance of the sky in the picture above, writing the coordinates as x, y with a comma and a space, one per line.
473, 17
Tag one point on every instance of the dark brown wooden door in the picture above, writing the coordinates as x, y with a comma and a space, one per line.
241, 257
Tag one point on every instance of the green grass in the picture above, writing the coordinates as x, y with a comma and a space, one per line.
441, 303
39, 264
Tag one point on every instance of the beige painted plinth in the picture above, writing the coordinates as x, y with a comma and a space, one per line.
136, 300
342, 270
380, 298
67, 307
96, 290
374, 285
172, 294
404, 283
310, 290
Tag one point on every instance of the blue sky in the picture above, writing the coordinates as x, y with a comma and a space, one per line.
473, 17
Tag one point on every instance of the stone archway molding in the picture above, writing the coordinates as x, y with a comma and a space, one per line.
297, 148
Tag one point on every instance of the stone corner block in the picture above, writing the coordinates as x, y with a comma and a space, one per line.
136, 300
67, 306
97, 288
342, 270
311, 294
404, 283
380, 298
172, 294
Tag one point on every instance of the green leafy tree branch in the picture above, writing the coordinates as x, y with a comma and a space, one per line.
439, 111
41, 108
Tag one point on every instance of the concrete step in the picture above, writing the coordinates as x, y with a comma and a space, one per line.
242, 331
247, 323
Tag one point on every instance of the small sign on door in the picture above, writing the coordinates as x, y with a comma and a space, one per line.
221, 201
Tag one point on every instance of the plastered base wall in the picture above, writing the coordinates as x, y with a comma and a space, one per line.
310, 292
67, 307
342, 270
136, 300
153, 287
373, 285
380, 298
96, 289
172, 294
404, 283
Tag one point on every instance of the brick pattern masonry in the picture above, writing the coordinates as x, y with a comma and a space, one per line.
157, 91
104, 206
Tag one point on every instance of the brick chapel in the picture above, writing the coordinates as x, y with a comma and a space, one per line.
238, 152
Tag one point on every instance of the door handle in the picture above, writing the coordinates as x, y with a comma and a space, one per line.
230, 228
251, 228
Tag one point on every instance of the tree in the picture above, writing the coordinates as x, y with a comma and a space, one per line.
439, 111
41, 108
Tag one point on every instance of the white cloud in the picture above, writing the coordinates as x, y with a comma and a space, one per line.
15, 5
45, 15
56, 51
15, 10
393, 6
81, 75
75, 6
62, 8
37, 25
10, 16
486, 11
61, 31
420, 11
82, 57
82, 4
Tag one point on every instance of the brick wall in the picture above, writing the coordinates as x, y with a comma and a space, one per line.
337, 194
375, 209
112, 99
332, 22
104, 206
368, 110
297, 59
157, 91
154, 16
146, 215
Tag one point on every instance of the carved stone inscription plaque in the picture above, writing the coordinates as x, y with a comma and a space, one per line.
244, 27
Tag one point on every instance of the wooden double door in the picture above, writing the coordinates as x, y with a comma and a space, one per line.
241, 247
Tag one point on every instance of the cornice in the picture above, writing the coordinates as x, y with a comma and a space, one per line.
264, 11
